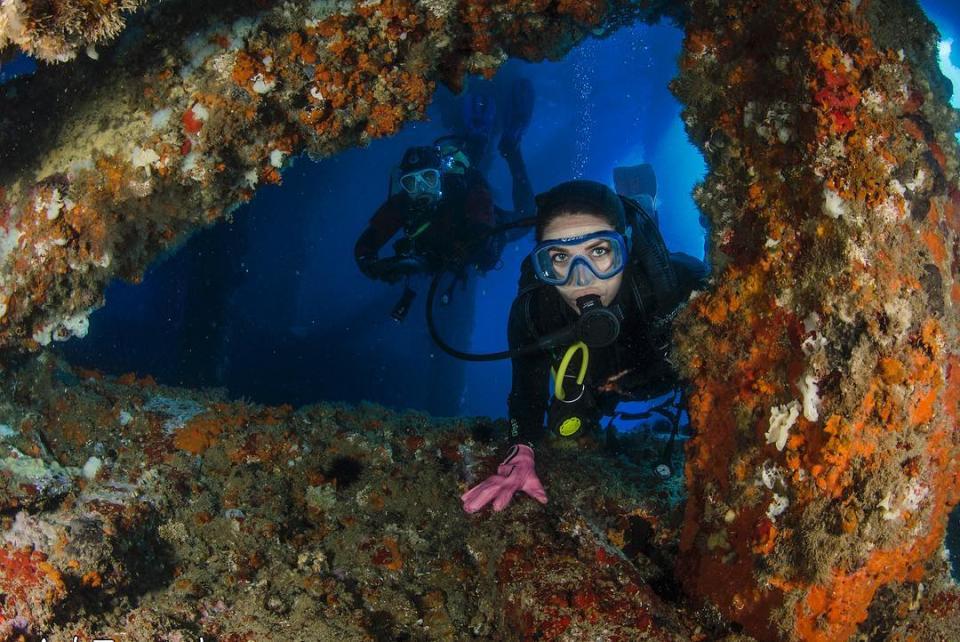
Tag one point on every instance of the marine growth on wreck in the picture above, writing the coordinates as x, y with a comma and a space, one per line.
822, 362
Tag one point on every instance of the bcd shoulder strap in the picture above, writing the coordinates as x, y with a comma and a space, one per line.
527, 286
650, 256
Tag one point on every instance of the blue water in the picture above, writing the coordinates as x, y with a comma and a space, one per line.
273, 307
946, 15
19, 65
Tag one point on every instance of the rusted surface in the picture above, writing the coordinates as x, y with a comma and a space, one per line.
824, 361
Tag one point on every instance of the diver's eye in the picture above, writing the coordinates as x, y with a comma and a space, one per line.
559, 258
600, 251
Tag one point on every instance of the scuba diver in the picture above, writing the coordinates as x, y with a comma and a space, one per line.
595, 305
445, 208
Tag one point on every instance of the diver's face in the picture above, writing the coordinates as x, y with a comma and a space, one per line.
584, 281
423, 186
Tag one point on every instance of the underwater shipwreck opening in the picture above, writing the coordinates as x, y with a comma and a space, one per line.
272, 306
822, 361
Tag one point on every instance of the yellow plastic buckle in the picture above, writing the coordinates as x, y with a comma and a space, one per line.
570, 426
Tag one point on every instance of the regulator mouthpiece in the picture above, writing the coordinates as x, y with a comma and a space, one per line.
597, 326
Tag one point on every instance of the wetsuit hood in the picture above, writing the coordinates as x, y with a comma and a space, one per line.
580, 196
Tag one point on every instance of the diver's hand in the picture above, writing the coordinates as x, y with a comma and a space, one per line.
381, 271
394, 268
516, 473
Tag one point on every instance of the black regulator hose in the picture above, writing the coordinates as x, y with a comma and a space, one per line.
596, 327
431, 295
566, 335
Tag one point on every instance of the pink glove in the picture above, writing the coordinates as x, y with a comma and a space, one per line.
515, 473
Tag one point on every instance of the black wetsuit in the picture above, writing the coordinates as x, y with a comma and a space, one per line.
462, 215
451, 228
633, 367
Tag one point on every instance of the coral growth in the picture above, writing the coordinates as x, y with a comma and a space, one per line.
825, 360
178, 124
337, 521
31, 588
224, 520
55, 31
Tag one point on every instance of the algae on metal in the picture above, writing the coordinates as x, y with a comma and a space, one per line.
824, 359
328, 522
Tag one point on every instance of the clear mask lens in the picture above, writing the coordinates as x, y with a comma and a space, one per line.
581, 274
424, 180
580, 260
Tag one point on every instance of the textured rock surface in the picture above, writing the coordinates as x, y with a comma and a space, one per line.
55, 31
825, 360
187, 515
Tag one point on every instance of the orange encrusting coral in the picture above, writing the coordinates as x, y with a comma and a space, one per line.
823, 332
201, 431
832, 612
388, 556
29, 583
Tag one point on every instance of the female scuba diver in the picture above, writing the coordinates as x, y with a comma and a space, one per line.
596, 299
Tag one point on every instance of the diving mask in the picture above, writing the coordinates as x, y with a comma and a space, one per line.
422, 184
580, 259
453, 156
